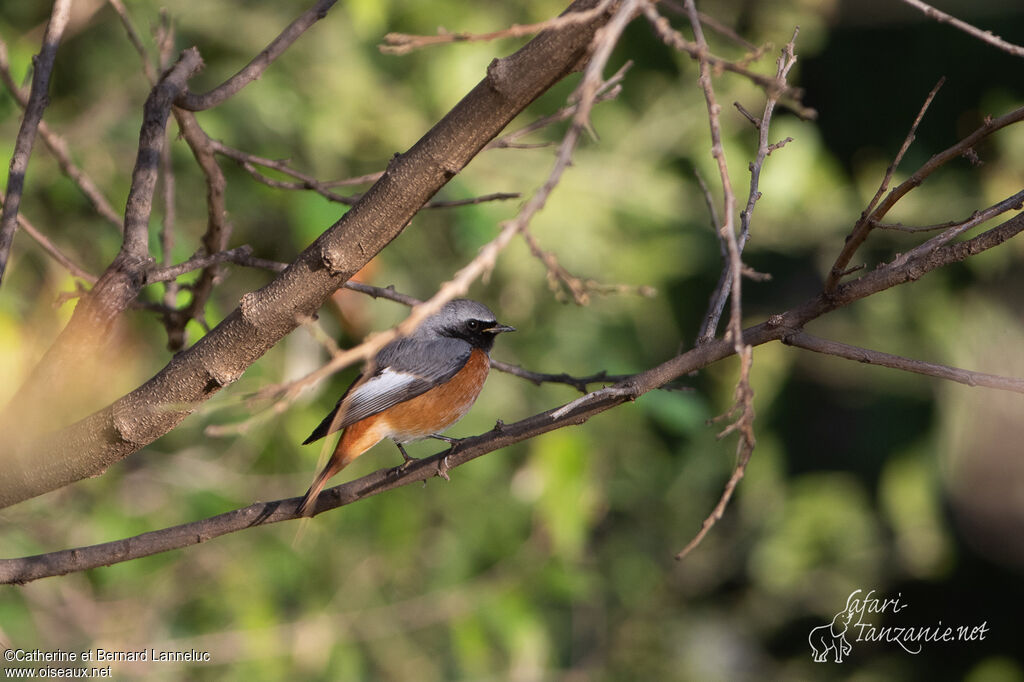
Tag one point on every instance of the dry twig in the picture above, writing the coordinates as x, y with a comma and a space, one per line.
34, 107
404, 43
985, 36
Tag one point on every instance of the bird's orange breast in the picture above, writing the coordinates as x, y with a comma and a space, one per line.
441, 406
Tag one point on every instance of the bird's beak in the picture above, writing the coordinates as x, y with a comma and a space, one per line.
499, 328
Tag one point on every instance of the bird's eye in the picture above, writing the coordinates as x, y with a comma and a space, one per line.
473, 325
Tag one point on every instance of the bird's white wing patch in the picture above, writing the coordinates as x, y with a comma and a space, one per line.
380, 392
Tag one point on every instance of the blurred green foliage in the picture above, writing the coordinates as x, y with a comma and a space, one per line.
551, 559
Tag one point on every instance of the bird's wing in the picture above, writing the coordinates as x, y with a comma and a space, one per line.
402, 370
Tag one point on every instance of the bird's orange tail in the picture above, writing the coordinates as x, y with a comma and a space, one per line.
357, 439
309, 500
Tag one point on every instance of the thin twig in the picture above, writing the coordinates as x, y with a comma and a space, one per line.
985, 36
873, 357
560, 279
610, 89
868, 217
538, 378
59, 148
136, 41
699, 52
862, 227
52, 249
387, 292
403, 43
714, 24
195, 263
718, 299
744, 393
719, 510
1015, 202
255, 68
307, 182
37, 101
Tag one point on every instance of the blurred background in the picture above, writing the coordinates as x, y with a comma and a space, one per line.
553, 559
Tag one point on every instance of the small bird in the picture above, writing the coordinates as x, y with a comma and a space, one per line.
415, 388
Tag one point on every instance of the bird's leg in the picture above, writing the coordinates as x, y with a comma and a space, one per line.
409, 459
447, 439
405, 455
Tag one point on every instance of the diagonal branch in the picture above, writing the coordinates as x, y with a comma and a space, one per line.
985, 36
259, 64
776, 328
53, 250
198, 262
871, 217
59, 148
404, 43
718, 299
873, 357
37, 101
264, 317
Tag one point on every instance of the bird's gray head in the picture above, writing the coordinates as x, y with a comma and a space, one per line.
464, 319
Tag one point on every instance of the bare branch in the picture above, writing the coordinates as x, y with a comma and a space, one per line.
259, 64
699, 51
610, 89
862, 227
136, 41
196, 263
717, 302
580, 289
387, 292
1012, 203
37, 101
52, 249
151, 142
873, 357
59, 148
538, 378
308, 182
267, 315
986, 36
404, 43
776, 328
716, 514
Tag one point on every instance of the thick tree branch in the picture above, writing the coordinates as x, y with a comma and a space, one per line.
267, 315
70, 361
37, 101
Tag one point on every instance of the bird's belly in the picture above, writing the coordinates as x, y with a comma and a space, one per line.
440, 407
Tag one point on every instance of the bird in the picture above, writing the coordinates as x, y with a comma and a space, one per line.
414, 388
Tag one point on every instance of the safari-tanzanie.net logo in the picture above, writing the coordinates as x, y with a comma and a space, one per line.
861, 621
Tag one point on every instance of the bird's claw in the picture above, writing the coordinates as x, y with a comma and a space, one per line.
443, 468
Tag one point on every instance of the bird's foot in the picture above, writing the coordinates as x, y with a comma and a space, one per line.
408, 459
